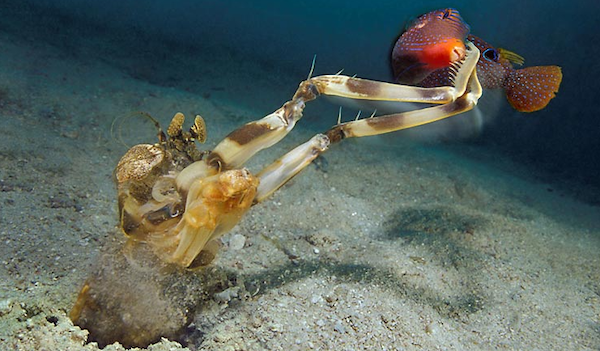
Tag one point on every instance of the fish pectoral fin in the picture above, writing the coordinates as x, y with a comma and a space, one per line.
513, 57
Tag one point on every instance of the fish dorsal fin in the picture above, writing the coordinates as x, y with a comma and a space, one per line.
512, 56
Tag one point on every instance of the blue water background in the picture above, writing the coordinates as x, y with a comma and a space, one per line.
563, 140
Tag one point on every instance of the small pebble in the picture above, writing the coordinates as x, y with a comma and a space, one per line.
431, 328
6, 306
316, 298
237, 242
227, 294
338, 327
219, 338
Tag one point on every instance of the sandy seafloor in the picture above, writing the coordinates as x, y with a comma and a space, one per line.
390, 245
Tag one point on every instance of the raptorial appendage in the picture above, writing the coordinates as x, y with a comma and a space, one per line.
214, 206
179, 200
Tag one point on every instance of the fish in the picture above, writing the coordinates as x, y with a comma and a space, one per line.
527, 89
424, 52
433, 41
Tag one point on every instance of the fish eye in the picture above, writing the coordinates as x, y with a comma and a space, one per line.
491, 55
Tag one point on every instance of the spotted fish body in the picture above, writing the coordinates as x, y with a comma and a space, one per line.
527, 90
433, 41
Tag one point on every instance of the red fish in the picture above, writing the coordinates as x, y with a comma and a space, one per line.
433, 41
527, 90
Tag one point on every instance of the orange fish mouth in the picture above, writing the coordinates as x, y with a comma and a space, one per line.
443, 54
458, 52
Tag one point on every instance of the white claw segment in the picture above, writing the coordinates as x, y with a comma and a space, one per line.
281, 171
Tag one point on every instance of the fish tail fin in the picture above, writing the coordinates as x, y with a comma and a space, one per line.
531, 89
